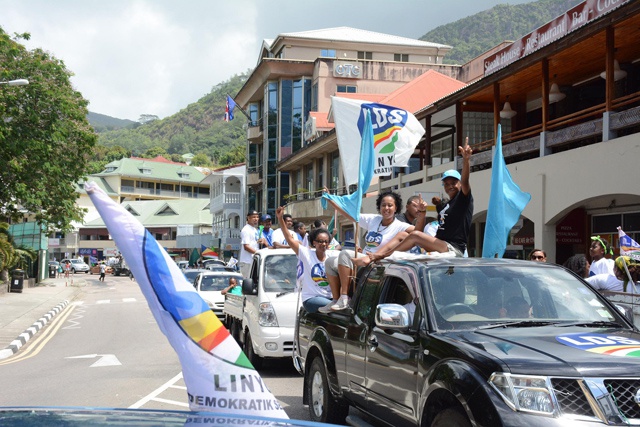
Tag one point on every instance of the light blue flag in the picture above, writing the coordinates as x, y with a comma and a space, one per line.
352, 203
506, 203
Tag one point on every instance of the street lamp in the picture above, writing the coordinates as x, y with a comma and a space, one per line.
19, 82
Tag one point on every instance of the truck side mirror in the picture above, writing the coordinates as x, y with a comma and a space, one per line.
248, 288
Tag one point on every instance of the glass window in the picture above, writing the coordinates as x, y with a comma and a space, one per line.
369, 294
328, 53
631, 222
401, 57
310, 178
314, 97
280, 273
346, 89
254, 113
320, 175
442, 151
365, 55
334, 168
601, 224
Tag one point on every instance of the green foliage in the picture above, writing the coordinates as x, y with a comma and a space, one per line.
199, 128
11, 254
103, 123
45, 138
474, 35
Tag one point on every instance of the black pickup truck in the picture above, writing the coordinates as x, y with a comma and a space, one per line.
470, 341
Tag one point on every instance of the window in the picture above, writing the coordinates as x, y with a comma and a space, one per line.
110, 169
365, 55
346, 89
145, 171
442, 151
184, 175
401, 57
328, 53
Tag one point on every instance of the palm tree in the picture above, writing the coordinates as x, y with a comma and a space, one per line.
12, 255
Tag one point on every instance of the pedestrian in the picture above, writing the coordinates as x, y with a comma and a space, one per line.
538, 255
267, 231
249, 243
59, 270
619, 280
279, 242
103, 270
579, 264
381, 228
315, 292
454, 219
67, 268
599, 264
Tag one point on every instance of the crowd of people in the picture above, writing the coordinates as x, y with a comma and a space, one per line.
325, 277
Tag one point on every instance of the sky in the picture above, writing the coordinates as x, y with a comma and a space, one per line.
133, 57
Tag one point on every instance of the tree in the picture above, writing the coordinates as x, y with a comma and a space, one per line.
45, 138
12, 255
201, 159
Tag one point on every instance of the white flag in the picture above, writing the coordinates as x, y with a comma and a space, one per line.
396, 132
218, 375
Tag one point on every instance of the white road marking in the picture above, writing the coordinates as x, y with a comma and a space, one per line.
103, 301
171, 402
105, 359
156, 392
129, 300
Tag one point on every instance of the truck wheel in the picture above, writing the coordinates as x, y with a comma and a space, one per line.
450, 418
322, 406
255, 360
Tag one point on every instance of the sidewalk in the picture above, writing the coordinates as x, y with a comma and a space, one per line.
22, 315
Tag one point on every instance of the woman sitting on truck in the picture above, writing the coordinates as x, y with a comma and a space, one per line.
315, 287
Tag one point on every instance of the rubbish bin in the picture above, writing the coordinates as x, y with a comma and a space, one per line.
53, 269
17, 280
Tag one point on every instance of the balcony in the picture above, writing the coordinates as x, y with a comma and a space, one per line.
254, 176
255, 132
157, 193
226, 201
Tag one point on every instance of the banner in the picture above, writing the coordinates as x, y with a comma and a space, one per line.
396, 132
218, 375
628, 246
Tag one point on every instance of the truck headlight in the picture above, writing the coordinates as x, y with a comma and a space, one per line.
267, 315
524, 392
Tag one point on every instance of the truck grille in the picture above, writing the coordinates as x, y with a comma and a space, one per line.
624, 391
571, 398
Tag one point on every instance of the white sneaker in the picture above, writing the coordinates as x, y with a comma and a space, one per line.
341, 304
327, 308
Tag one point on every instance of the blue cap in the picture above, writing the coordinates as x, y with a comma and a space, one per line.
451, 173
266, 217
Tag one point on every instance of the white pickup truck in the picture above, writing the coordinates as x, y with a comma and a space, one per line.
263, 318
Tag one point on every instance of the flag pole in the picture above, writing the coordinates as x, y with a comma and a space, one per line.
240, 108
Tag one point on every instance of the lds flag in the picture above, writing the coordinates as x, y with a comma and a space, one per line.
218, 375
396, 132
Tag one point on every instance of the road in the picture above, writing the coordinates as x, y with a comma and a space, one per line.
105, 350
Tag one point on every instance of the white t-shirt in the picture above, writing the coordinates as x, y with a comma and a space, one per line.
602, 266
312, 274
608, 282
377, 234
278, 237
248, 236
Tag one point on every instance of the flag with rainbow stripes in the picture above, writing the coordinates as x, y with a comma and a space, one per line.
218, 375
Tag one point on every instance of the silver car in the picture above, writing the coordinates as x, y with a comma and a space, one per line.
76, 265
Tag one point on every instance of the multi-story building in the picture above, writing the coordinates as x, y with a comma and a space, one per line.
227, 188
567, 96
291, 87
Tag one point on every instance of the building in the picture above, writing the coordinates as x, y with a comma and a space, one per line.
227, 188
290, 89
567, 96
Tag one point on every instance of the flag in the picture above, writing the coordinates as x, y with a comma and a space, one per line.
506, 203
228, 111
628, 246
218, 375
396, 132
352, 203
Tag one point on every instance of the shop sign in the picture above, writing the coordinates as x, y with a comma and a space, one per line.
352, 70
87, 251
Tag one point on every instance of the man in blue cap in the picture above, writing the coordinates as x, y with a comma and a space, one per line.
454, 221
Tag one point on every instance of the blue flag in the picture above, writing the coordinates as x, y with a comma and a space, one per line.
228, 112
506, 203
352, 203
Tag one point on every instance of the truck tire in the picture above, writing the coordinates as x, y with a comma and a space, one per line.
450, 417
255, 360
323, 407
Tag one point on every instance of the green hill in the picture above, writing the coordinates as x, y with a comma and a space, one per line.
475, 34
104, 123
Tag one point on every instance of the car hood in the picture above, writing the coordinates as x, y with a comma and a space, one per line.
212, 296
285, 305
553, 350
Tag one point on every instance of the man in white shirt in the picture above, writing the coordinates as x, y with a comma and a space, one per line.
249, 242
279, 242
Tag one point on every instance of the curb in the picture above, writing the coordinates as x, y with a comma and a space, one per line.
24, 337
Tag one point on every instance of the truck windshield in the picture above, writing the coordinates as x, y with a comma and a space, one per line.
478, 296
280, 272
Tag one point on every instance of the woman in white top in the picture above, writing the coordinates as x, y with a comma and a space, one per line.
380, 228
311, 272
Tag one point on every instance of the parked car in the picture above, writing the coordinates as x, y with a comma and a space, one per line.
472, 341
210, 283
96, 269
76, 265
183, 264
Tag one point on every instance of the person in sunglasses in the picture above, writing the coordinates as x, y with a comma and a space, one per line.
538, 255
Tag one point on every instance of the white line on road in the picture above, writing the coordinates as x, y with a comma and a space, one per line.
156, 392
129, 300
172, 402
103, 301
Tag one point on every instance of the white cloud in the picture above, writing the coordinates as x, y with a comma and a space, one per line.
133, 57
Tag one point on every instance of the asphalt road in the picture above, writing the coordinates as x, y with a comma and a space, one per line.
105, 350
